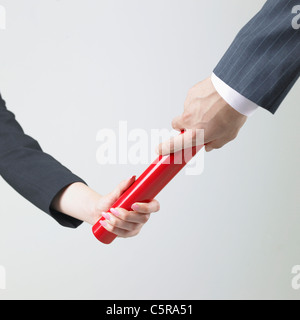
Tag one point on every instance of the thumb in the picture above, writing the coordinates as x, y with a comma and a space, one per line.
121, 188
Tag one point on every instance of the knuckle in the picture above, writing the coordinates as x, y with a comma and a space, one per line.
234, 135
122, 214
218, 146
231, 137
174, 124
147, 209
113, 228
187, 116
135, 233
128, 234
125, 215
157, 206
215, 145
146, 217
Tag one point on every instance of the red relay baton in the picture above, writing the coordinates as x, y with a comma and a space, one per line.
148, 185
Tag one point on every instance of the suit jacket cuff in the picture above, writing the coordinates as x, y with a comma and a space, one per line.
234, 98
57, 185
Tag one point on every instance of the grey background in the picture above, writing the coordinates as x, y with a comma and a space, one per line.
70, 68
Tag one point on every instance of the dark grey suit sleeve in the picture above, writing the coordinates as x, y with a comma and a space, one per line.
34, 174
263, 62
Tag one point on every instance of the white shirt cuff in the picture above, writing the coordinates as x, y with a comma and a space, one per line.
233, 98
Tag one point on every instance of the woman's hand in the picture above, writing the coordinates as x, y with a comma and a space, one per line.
81, 202
122, 222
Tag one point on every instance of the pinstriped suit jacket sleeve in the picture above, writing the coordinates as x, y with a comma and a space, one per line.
263, 62
31, 172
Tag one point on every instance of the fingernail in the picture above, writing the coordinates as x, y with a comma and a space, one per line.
135, 207
132, 177
115, 212
103, 223
106, 215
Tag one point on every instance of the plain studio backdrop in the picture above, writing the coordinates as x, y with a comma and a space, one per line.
70, 68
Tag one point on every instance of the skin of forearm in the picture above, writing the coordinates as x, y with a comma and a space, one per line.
78, 201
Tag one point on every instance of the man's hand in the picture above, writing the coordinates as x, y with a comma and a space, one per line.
204, 109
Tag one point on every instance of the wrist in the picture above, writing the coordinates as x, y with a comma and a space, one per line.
78, 201
236, 100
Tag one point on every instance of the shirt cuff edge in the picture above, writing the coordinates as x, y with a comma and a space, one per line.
237, 101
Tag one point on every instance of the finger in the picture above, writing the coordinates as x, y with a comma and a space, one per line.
216, 144
170, 146
166, 147
120, 232
150, 207
178, 123
120, 214
188, 139
208, 148
116, 222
